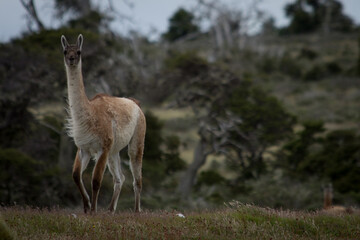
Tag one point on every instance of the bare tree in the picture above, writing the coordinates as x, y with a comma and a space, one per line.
205, 94
234, 119
230, 25
30, 8
215, 138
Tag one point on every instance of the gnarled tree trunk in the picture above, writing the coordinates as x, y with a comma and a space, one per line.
189, 177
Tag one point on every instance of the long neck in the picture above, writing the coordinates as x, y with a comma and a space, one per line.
78, 101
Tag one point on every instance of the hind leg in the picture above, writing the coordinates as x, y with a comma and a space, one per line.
114, 165
136, 148
135, 166
81, 161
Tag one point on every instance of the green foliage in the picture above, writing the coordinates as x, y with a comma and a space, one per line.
339, 21
153, 138
337, 160
267, 64
21, 177
309, 15
264, 122
178, 69
15, 122
261, 114
302, 21
153, 169
172, 155
210, 178
308, 53
55, 126
307, 65
320, 71
271, 190
290, 66
180, 25
315, 73
161, 155
333, 67
26, 181
189, 63
333, 157
297, 149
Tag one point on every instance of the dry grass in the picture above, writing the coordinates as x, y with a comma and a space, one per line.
49, 109
167, 114
233, 222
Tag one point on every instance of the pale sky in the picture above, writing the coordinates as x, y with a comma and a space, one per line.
149, 16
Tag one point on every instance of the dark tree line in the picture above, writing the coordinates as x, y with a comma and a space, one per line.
317, 15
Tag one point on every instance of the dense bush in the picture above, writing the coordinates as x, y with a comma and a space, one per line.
189, 63
268, 64
161, 154
333, 67
290, 66
333, 157
316, 72
308, 53
308, 16
23, 179
264, 123
284, 192
210, 177
320, 71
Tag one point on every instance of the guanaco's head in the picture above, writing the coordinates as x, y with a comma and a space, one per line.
72, 52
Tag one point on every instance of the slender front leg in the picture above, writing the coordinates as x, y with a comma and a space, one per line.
97, 179
81, 161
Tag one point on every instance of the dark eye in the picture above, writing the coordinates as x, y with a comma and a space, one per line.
78, 52
65, 52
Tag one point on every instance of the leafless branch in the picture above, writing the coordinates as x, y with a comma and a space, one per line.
29, 6
121, 16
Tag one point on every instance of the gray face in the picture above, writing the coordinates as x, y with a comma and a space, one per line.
72, 53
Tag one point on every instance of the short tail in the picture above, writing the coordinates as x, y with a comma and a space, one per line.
135, 101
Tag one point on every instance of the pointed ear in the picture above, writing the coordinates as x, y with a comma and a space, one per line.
64, 42
80, 41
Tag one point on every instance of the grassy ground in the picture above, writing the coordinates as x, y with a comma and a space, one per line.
234, 222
